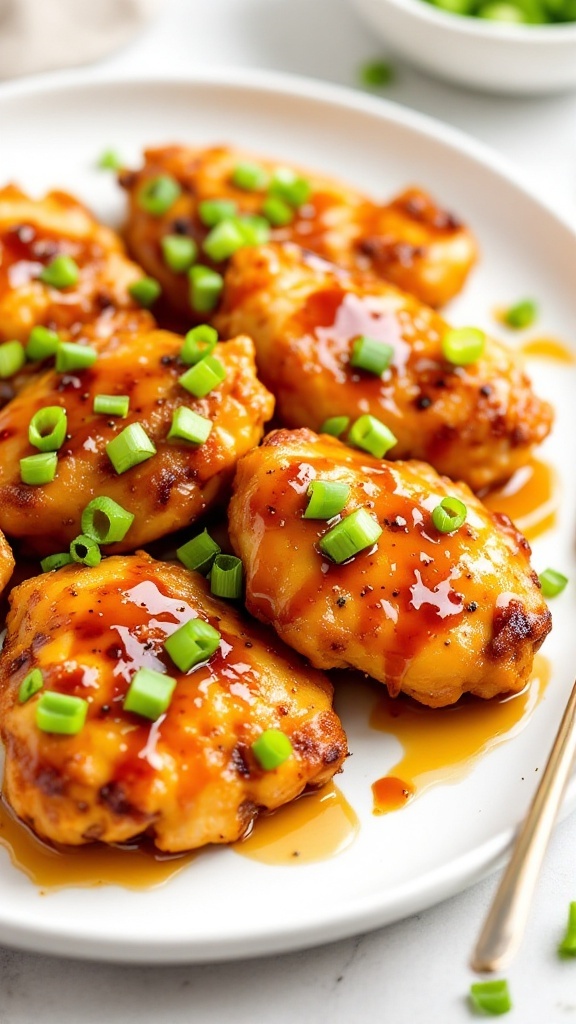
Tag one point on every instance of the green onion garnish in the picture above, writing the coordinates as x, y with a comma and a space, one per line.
522, 315
149, 693
375, 74
224, 240
30, 685
179, 252
205, 288
55, 561
12, 358
85, 551
38, 469
109, 161
105, 521
213, 211
70, 357
203, 377
198, 342
327, 499
491, 997
61, 272
47, 428
271, 749
249, 177
289, 186
552, 582
199, 553
145, 291
463, 345
41, 344
568, 945
112, 405
371, 355
129, 448
277, 211
255, 229
61, 713
194, 643
351, 535
508, 13
159, 194
335, 425
372, 436
226, 577
449, 515
188, 425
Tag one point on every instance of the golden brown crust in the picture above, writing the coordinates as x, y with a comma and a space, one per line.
6, 562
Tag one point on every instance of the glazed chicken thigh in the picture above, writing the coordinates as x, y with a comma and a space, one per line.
410, 241
6, 562
476, 423
176, 481
190, 776
428, 613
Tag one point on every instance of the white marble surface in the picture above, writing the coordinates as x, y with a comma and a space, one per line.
415, 971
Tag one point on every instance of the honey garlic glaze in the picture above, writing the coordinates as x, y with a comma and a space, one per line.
530, 498
551, 349
441, 745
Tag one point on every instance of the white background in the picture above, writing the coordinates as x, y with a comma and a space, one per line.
414, 971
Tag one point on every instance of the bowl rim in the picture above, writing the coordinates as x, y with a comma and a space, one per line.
555, 33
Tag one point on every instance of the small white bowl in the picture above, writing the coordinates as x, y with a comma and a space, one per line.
493, 56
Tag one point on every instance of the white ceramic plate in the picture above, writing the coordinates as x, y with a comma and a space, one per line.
225, 906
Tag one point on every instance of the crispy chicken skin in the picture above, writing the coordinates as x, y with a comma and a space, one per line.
433, 615
169, 490
6, 562
477, 423
410, 241
188, 779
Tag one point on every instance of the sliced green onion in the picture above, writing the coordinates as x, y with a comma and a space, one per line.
224, 240
552, 582
375, 74
213, 211
195, 642
271, 749
38, 469
159, 194
327, 499
61, 272
463, 345
61, 713
255, 229
290, 187
30, 685
179, 252
522, 315
351, 535
199, 553
249, 176
55, 561
568, 945
199, 342
491, 997
47, 428
335, 425
85, 551
71, 357
149, 693
112, 405
129, 448
203, 377
507, 13
145, 291
188, 425
205, 288
371, 355
277, 211
105, 521
109, 161
12, 358
226, 577
41, 344
449, 515
372, 436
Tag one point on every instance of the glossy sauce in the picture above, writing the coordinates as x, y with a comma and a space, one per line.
441, 745
530, 498
548, 348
